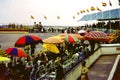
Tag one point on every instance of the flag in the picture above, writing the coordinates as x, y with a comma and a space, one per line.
58, 17
87, 10
104, 4
45, 17
110, 3
99, 9
32, 17
73, 17
81, 11
92, 8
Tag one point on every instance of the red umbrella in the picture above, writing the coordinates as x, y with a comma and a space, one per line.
27, 39
18, 52
96, 35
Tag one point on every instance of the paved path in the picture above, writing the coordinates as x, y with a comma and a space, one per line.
117, 72
101, 68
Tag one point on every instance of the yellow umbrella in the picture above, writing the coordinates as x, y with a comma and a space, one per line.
4, 58
51, 48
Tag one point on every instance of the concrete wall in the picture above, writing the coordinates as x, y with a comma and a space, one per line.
105, 49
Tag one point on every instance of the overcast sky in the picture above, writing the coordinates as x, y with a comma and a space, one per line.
19, 11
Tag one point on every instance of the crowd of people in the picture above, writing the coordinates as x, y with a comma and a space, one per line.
47, 65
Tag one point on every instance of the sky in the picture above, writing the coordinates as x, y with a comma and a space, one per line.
19, 11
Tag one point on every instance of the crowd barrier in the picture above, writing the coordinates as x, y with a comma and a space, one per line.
105, 49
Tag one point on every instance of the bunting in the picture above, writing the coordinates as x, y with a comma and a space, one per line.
104, 4
92, 8
87, 10
77, 13
58, 17
32, 17
45, 17
73, 17
110, 3
81, 11
99, 9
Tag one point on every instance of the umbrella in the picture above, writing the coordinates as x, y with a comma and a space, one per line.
78, 36
81, 31
75, 35
27, 40
53, 40
4, 58
51, 48
69, 38
96, 35
18, 52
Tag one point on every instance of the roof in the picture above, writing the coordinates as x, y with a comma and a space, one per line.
113, 14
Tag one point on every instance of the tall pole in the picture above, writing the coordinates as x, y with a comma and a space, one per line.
119, 16
110, 16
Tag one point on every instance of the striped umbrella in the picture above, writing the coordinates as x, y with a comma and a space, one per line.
53, 40
27, 40
78, 36
18, 52
69, 38
96, 35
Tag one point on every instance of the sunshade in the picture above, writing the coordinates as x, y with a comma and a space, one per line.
18, 52
78, 36
69, 38
81, 31
4, 58
27, 40
53, 40
96, 35
51, 48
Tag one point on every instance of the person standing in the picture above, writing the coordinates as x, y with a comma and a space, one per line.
84, 72
60, 73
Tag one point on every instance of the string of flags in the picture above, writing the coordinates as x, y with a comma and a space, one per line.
92, 8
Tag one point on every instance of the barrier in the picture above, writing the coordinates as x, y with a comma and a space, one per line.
105, 49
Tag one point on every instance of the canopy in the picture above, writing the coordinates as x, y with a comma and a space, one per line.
27, 40
71, 38
113, 14
96, 35
18, 52
53, 40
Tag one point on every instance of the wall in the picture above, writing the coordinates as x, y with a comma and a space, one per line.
106, 49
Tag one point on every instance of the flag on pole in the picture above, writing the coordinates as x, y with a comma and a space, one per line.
32, 17
104, 4
110, 3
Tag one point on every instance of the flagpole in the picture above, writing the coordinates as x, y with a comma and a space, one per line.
102, 21
119, 13
110, 17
